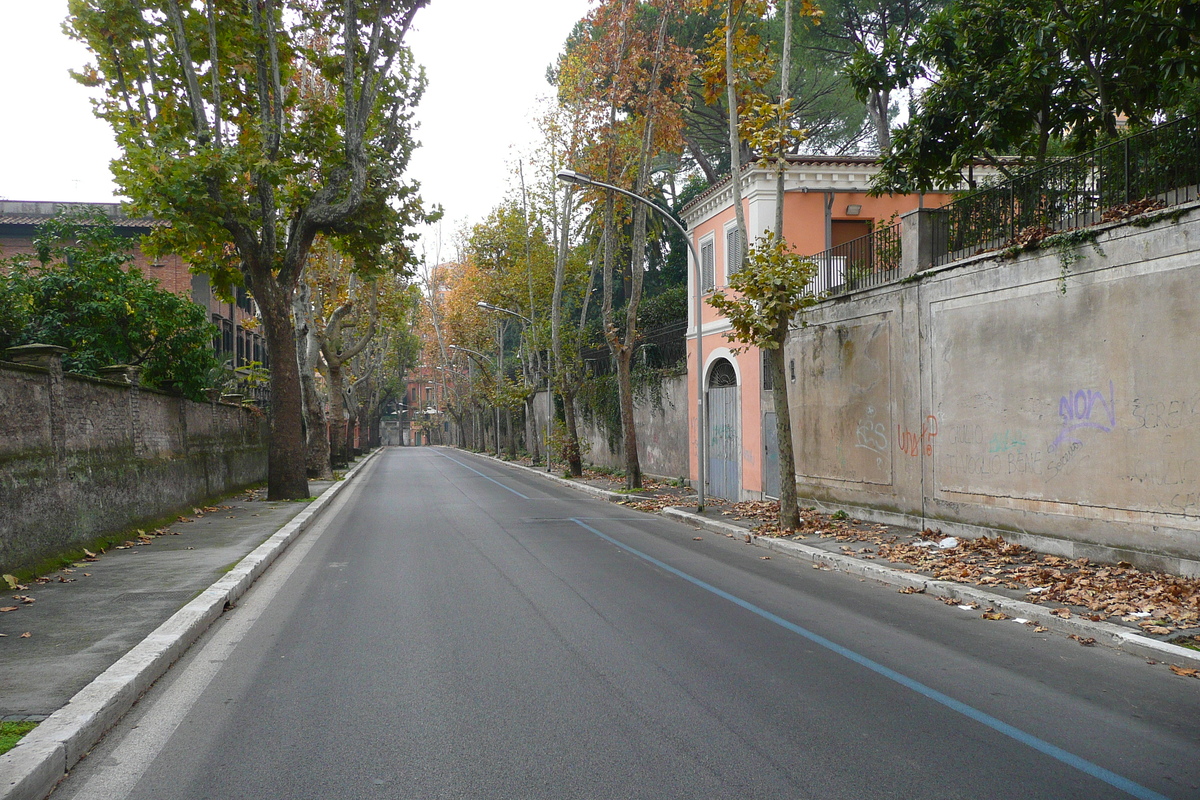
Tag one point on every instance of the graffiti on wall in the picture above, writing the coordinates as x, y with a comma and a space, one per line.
1005, 441
1084, 409
871, 434
911, 444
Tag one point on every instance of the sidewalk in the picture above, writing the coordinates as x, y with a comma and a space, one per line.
83, 643
1152, 615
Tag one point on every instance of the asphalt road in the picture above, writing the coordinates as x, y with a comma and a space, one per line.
456, 629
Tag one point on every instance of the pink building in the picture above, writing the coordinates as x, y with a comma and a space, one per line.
825, 204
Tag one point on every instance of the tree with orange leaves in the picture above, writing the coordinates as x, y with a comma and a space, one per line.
628, 78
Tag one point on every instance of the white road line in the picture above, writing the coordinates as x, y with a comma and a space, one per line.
487, 477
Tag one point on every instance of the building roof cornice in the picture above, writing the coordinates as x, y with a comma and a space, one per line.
803, 174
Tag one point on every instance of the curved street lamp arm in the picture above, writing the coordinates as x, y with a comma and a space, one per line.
571, 176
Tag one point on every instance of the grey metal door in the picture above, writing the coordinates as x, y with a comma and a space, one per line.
770, 440
723, 440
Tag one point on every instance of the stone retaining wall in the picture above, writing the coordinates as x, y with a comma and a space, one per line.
1052, 397
662, 430
83, 457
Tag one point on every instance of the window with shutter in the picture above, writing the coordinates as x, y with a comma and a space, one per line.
708, 265
733, 252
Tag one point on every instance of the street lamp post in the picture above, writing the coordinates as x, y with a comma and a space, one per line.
549, 394
497, 405
570, 176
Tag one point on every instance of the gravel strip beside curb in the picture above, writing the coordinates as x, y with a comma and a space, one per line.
1103, 632
35, 766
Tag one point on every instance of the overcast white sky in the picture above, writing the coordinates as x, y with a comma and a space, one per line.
486, 62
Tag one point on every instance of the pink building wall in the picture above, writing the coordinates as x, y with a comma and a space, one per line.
810, 185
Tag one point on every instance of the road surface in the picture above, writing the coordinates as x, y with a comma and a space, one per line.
454, 628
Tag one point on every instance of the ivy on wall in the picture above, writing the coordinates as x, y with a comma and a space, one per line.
600, 404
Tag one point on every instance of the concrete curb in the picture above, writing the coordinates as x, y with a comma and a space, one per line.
1103, 632
32, 769
605, 494
612, 497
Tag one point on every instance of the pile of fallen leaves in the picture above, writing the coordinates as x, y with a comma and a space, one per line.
656, 495
1133, 209
653, 497
1030, 237
652, 503
1158, 603
766, 514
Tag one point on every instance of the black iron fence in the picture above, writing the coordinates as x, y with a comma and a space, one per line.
660, 347
1153, 169
857, 264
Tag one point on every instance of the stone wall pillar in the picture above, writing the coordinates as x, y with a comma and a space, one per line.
49, 358
123, 373
916, 240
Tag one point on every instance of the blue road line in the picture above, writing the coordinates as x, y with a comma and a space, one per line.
1081, 764
480, 474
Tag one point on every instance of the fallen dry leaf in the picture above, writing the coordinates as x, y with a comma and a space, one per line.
912, 590
1186, 672
12, 583
697, 538
25, 635
764, 558
8, 608
1157, 630
1086, 641
995, 615
1040, 629
1095, 591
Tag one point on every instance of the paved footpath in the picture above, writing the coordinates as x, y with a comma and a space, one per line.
101, 632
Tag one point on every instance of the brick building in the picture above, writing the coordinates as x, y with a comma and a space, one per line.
237, 340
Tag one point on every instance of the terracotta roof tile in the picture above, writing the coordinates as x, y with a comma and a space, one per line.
120, 222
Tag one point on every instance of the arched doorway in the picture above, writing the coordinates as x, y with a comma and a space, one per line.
723, 428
